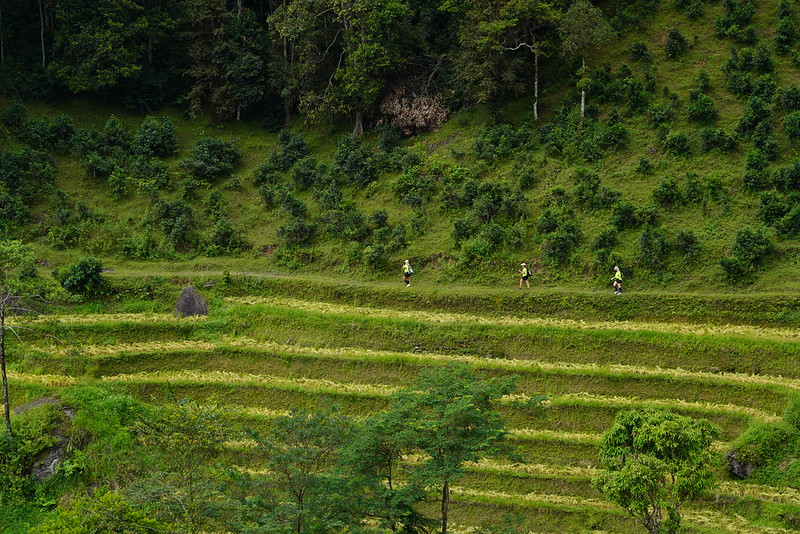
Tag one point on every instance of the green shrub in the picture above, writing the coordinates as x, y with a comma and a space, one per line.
639, 52
749, 249
355, 160
116, 135
787, 177
675, 45
678, 145
716, 140
668, 193
772, 208
558, 246
297, 232
734, 20
149, 174
590, 193
762, 59
293, 205
224, 239
154, 138
176, 220
645, 166
414, 187
765, 87
624, 216
307, 172
703, 81
119, 184
661, 114
606, 240
687, 244
789, 98
376, 258
328, 198
792, 413
756, 112
789, 224
763, 442
14, 115
791, 125
653, 248
501, 141
83, 277
211, 158
264, 173
701, 107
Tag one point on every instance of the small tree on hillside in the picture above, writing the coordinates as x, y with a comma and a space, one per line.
19, 287
449, 416
653, 462
583, 28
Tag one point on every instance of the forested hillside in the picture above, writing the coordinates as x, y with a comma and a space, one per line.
466, 136
284, 157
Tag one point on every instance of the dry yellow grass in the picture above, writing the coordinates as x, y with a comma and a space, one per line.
104, 318
784, 334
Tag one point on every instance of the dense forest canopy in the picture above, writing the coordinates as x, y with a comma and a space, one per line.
366, 60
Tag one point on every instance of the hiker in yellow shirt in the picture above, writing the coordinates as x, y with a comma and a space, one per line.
407, 272
616, 280
525, 273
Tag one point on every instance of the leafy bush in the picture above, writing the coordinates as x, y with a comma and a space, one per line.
291, 148
645, 166
264, 173
787, 178
755, 113
224, 238
14, 115
307, 172
154, 138
501, 141
792, 413
668, 193
149, 174
791, 125
43, 134
639, 52
83, 277
789, 98
661, 114
749, 249
606, 240
701, 107
675, 45
716, 140
116, 135
590, 193
688, 245
764, 441
328, 198
414, 187
678, 145
293, 205
653, 248
296, 232
703, 81
765, 87
176, 219
789, 224
211, 158
355, 160
734, 20
762, 59
624, 216
695, 191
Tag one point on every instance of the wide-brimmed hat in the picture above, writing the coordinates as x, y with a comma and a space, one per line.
522, 264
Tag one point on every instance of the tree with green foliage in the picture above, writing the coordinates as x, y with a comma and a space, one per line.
449, 416
583, 28
302, 450
106, 512
19, 287
491, 35
653, 462
182, 439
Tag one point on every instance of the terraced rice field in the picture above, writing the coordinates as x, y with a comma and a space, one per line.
262, 356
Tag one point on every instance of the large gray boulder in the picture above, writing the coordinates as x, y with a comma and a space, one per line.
190, 303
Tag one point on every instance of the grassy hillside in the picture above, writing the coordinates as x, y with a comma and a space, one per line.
490, 188
260, 356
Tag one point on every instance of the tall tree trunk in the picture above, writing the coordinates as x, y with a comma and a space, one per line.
2, 47
6, 407
238, 9
445, 505
41, 29
536, 86
358, 128
583, 88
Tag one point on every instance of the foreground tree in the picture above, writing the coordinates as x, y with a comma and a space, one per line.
583, 28
19, 288
449, 416
653, 462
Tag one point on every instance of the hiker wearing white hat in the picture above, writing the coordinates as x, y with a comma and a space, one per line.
525, 273
407, 272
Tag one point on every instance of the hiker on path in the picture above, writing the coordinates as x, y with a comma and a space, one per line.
525, 273
407, 272
616, 280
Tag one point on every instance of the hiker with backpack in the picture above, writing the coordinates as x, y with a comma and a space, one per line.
407, 272
525, 273
616, 280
